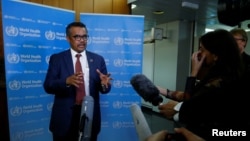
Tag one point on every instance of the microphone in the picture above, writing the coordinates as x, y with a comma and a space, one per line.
86, 118
146, 89
141, 125
143, 129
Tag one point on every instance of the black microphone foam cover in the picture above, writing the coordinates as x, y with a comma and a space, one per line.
146, 89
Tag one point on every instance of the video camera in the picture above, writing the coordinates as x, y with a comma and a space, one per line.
233, 12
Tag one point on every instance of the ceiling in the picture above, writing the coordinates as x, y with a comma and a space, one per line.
206, 13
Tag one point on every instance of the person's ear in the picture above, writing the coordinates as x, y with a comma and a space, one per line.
68, 38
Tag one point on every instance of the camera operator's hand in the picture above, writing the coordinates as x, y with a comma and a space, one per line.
188, 134
158, 136
163, 135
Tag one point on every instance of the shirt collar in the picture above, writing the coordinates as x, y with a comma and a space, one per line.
73, 52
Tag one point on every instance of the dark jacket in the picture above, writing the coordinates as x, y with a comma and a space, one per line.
246, 61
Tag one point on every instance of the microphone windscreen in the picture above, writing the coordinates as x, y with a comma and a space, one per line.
141, 125
87, 117
146, 89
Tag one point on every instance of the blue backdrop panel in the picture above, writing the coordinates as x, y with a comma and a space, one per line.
31, 33
119, 39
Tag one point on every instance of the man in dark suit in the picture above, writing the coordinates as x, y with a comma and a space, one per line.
62, 81
241, 38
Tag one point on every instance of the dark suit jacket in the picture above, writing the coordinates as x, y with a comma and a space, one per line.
246, 61
60, 67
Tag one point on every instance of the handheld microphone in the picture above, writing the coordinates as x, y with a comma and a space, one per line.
86, 118
146, 89
141, 125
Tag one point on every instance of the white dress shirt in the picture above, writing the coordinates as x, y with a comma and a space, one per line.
177, 108
85, 68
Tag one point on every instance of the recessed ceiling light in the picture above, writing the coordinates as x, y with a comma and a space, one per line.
158, 12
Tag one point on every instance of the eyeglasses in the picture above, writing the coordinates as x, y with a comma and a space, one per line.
240, 39
79, 37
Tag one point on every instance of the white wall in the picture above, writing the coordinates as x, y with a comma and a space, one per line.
148, 66
167, 62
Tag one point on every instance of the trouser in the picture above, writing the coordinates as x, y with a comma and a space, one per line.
73, 133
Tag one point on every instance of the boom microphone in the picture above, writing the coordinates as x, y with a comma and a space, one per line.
146, 89
86, 118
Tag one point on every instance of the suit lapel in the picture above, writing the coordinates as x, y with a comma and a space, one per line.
68, 62
90, 60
